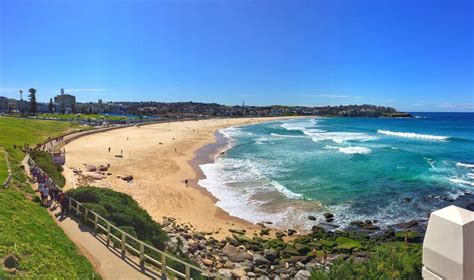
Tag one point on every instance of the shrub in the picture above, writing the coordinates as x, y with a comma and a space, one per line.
122, 211
386, 262
45, 161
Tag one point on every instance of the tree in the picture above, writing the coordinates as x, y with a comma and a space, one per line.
32, 97
51, 105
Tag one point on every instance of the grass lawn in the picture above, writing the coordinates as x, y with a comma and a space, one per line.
82, 116
3, 167
17, 131
26, 229
42, 248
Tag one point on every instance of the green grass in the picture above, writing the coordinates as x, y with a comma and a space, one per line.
386, 262
82, 116
17, 131
26, 229
3, 167
44, 251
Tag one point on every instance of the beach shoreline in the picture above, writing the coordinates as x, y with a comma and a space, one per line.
160, 157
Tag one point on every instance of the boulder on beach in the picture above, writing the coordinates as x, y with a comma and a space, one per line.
127, 178
312, 218
235, 254
91, 168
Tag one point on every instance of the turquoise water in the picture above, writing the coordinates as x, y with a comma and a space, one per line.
391, 170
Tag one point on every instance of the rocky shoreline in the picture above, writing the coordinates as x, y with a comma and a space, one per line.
287, 255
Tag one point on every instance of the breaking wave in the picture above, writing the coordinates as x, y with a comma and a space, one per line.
412, 135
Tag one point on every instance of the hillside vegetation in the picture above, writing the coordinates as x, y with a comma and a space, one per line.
28, 234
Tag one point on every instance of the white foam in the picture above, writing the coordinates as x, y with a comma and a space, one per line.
286, 136
466, 165
461, 182
413, 135
349, 150
286, 191
235, 182
341, 137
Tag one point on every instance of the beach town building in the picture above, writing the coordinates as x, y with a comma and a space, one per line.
65, 103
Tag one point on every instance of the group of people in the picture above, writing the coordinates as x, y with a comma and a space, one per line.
50, 194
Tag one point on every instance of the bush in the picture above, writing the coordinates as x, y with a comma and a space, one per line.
123, 212
45, 161
387, 262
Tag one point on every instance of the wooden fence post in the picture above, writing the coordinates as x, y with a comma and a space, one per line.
163, 264
96, 220
123, 244
188, 272
142, 255
108, 234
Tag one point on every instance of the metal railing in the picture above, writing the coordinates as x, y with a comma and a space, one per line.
126, 242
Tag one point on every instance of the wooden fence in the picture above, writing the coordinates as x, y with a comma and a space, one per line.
128, 243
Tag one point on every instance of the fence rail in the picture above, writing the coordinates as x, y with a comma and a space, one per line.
123, 240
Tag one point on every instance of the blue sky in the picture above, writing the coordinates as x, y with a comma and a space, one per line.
415, 55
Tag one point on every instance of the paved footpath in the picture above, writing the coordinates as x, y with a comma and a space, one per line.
106, 260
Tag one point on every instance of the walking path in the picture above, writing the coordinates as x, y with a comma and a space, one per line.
107, 261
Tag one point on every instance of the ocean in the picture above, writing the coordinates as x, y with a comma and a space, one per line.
389, 170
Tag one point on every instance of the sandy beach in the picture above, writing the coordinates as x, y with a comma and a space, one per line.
160, 157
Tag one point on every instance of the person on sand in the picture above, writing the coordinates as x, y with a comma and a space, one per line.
186, 182
109, 149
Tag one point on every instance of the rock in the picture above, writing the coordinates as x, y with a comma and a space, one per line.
290, 251
270, 254
280, 234
291, 232
301, 259
409, 224
312, 218
357, 223
318, 229
329, 220
302, 275
260, 260
369, 222
229, 264
225, 273
242, 238
95, 176
244, 278
238, 231
91, 168
328, 215
265, 231
127, 178
470, 207
235, 254
370, 227
207, 262
407, 199
237, 272
302, 249
103, 168
263, 278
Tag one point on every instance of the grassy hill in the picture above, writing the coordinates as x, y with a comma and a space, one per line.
27, 232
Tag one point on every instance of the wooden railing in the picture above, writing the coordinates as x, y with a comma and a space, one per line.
127, 243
